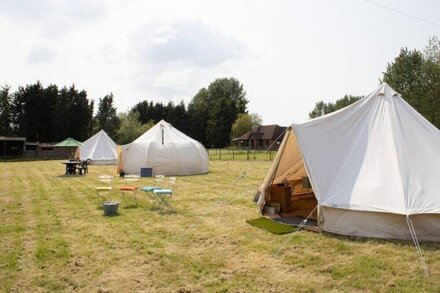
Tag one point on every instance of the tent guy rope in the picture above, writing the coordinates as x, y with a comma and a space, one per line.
284, 244
418, 248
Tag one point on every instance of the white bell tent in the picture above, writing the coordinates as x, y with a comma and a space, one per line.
100, 148
165, 149
373, 166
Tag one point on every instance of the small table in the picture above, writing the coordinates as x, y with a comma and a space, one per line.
71, 166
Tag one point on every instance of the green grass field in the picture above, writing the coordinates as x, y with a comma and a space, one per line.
53, 237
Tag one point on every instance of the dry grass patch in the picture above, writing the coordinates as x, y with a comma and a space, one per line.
53, 237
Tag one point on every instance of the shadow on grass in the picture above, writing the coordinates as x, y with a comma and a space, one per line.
112, 216
426, 245
71, 176
131, 206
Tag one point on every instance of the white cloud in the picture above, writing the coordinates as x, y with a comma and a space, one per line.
172, 58
50, 17
186, 41
41, 55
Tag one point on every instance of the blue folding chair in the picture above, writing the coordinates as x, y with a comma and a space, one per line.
165, 195
151, 197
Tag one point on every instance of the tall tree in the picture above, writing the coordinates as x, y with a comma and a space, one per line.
198, 116
106, 117
226, 99
81, 118
17, 113
322, 108
177, 116
5, 112
130, 127
245, 123
416, 76
35, 107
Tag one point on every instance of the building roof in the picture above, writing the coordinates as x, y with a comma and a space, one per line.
264, 132
12, 138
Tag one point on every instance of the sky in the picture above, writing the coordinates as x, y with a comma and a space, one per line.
287, 54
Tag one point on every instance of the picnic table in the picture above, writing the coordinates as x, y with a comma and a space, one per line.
72, 165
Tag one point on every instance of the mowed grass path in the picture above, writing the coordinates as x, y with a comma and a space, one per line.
53, 237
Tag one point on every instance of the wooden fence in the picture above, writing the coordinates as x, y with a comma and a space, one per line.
240, 154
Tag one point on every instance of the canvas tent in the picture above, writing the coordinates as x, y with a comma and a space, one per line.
66, 148
100, 148
69, 142
165, 149
374, 168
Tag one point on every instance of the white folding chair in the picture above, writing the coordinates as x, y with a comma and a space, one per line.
104, 192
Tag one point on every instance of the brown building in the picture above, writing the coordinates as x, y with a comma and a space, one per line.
12, 147
262, 137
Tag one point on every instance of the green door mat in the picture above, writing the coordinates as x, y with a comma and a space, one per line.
271, 226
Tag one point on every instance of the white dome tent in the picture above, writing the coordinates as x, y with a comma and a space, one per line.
100, 148
165, 149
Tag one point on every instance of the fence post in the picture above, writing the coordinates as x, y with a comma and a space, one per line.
247, 153
270, 155
220, 154
233, 153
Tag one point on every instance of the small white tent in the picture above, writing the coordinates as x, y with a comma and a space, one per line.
165, 149
374, 168
100, 148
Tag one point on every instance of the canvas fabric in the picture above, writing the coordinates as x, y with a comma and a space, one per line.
379, 225
378, 155
165, 149
370, 164
100, 148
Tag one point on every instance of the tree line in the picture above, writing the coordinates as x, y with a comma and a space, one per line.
414, 74
214, 115
51, 114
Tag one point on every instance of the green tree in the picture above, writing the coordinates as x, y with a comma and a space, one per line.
106, 117
17, 113
35, 107
5, 112
130, 127
198, 116
82, 115
322, 108
245, 123
432, 50
416, 76
225, 100
177, 116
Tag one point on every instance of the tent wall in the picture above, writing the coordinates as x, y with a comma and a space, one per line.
165, 149
378, 225
100, 148
104, 162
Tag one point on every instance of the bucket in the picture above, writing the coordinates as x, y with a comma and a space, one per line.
110, 208
269, 210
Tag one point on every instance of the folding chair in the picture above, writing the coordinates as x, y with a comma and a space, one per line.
165, 196
130, 189
104, 192
149, 190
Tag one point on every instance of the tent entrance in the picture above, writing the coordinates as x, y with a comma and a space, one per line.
294, 199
